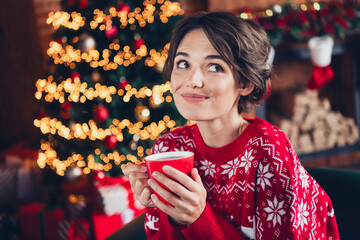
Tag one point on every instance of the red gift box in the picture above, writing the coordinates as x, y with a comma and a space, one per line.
74, 229
39, 222
117, 206
105, 225
115, 196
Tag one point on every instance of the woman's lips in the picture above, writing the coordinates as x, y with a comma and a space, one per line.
193, 98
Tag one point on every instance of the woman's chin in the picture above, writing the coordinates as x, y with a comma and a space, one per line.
194, 116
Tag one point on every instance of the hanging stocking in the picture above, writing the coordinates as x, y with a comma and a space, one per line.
320, 54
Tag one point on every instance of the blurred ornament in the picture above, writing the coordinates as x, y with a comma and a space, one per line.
111, 32
74, 75
142, 113
58, 40
133, 145
100, 114
61, 40
277, 8
154, 102
138, 43
159, 66
95, 76
123, 83
86, 43
110, 141
83, 4
98, 175
73, 173
122, 7
65, 108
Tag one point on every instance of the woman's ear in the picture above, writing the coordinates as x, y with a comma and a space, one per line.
246, 90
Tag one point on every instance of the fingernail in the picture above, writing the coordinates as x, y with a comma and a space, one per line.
151, 182
153, 197
155, 174
166, 168
143, 168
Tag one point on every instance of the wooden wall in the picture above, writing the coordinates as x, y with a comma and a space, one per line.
20, 66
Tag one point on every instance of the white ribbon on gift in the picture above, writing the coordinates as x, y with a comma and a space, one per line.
115, 199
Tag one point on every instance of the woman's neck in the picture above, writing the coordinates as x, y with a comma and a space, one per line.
220, 132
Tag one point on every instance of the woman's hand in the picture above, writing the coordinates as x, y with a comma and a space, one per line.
138, 178
190, 201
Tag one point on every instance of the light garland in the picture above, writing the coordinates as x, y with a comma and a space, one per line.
103, 21
74, 90
91, 131
61, 18
69, 56
78, 92
277, 9
48, 156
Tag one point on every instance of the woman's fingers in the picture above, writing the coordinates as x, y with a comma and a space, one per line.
138, 178
164, 193
171, 184
145, 198
182, 178
135, 176
133, 168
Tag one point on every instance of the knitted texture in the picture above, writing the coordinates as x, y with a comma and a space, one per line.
256, 186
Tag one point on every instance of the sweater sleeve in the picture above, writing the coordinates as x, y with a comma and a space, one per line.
275, 198
212, 226
289, 203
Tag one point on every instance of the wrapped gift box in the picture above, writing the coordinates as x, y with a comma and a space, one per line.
21, 177
74, 229
116, 206
115, 196
8, 189
105, 225
39, 222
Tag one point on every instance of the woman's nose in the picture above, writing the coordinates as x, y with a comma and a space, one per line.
195, 79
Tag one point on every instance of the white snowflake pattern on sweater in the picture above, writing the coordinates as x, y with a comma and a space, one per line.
257, 189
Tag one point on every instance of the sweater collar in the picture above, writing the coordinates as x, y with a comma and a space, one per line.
229, 151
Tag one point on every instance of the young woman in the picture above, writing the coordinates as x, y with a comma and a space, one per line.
247, 182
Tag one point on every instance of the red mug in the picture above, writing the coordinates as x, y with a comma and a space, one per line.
182, 161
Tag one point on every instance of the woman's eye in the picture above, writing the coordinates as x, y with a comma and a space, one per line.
215, 68
182, 64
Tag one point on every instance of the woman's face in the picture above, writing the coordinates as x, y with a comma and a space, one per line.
203, 84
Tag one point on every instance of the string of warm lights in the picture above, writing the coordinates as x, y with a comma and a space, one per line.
103, 21
60, 18
48, 156
82, 49
78, 91
91, 131
277, 9
70, 55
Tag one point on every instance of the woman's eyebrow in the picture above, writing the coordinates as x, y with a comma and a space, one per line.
182, 54
207, 57
214, 57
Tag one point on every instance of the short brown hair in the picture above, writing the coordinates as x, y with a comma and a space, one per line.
243, 44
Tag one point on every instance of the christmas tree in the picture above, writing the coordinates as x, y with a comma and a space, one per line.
104, 99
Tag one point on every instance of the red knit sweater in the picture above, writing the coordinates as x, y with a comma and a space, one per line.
257, 189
